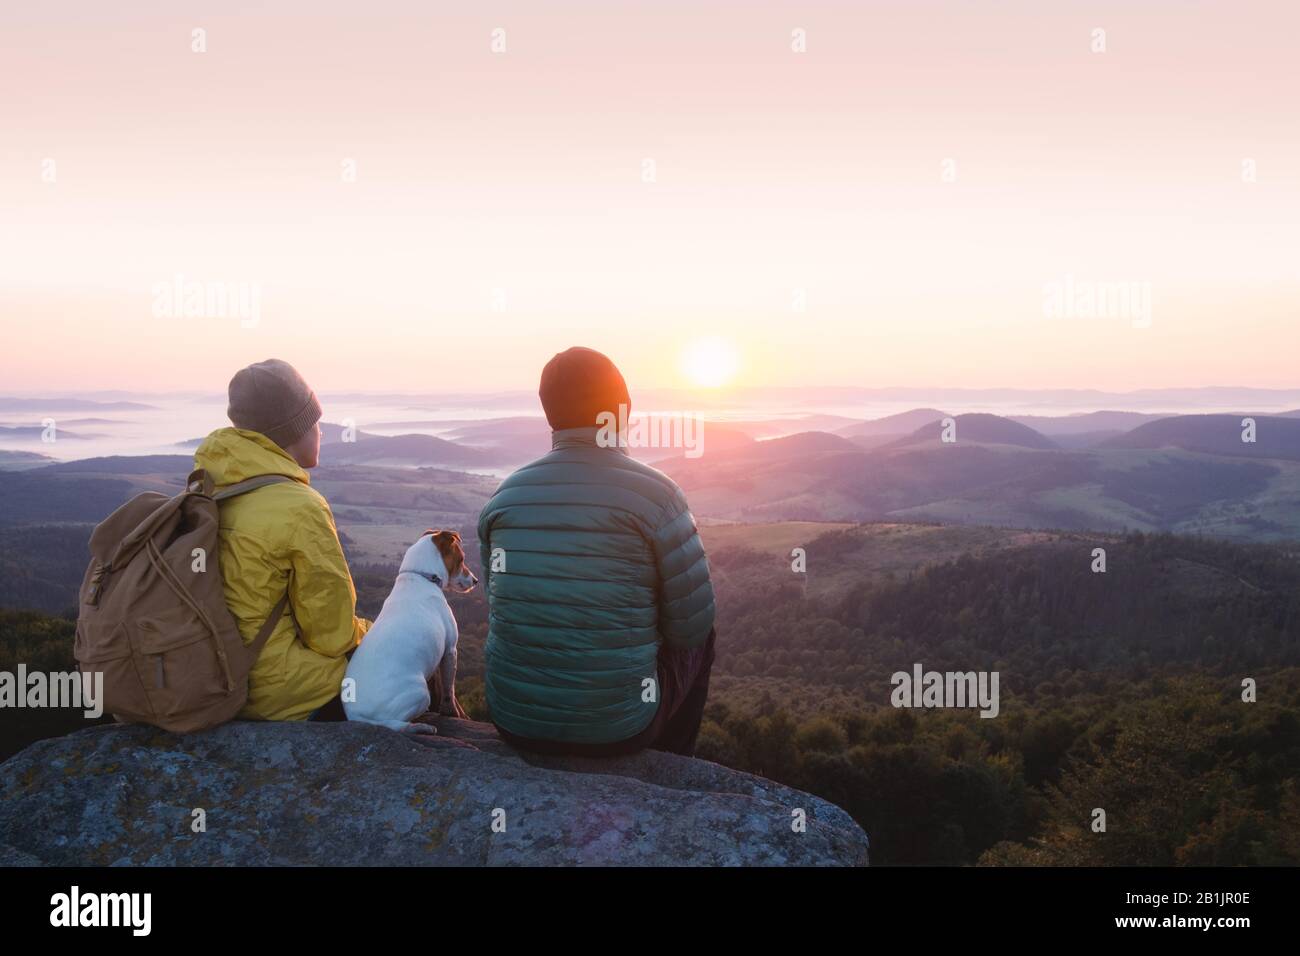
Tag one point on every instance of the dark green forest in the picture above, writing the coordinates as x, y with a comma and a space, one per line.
1120, 691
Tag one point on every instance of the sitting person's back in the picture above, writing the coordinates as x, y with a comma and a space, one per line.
281, 540
600, 635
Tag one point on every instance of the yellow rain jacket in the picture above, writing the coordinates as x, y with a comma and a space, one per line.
275, 538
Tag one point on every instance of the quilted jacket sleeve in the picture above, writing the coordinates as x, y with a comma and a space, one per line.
686, 608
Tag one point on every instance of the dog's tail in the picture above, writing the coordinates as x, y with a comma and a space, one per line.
410, 728
401, 726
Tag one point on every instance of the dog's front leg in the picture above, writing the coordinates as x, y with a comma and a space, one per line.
449, 706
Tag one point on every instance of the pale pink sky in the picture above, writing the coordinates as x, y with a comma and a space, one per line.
775, 172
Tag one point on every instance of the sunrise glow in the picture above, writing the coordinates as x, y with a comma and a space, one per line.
710, 363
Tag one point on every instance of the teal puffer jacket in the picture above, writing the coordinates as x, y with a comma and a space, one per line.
597, 559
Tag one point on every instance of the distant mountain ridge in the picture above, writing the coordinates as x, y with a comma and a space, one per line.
11, 404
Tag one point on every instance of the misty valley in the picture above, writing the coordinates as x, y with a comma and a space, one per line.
1119, 688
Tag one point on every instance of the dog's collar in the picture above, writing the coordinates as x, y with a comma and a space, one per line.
428, 577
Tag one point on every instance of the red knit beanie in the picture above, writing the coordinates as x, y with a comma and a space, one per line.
577, 385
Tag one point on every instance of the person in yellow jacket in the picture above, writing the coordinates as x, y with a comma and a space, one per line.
282, 537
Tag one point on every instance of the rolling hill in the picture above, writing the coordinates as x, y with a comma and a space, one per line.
20, 460
977, 428
46, 515
904, 423
412, 451
998, 473
116, 465
1086, 423
1275, 437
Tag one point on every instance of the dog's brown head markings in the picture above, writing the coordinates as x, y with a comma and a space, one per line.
453, 557
449, 546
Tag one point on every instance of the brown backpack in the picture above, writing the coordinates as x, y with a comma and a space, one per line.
153, 615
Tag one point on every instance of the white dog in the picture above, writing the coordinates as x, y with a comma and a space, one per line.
414, 636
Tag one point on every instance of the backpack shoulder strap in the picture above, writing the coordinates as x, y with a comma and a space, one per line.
230, 491
248, 484
268, 626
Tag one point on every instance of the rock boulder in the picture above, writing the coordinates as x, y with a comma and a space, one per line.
355, 794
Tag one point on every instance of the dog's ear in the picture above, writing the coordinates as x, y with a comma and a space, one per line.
448, 543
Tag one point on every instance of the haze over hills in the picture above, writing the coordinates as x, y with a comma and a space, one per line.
330, 432
759, 402
1105, 468
151, 423
10, 403
34, 433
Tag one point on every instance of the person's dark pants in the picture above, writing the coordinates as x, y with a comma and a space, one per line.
683, 689
332, 709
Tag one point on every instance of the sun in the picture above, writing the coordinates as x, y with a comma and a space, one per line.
711, 362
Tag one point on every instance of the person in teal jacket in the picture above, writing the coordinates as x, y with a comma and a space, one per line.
600, 607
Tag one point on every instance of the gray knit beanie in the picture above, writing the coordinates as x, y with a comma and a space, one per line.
272, 398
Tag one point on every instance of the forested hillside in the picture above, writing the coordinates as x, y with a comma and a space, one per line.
1120, 690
